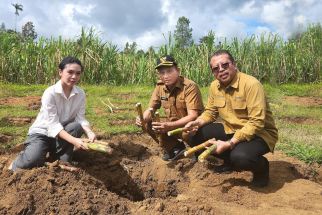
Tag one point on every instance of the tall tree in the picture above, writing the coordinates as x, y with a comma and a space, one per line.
130, 48
183, 33
28, 31
18, 7
208, 40
3, 27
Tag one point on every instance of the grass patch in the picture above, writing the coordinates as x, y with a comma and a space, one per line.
296, 138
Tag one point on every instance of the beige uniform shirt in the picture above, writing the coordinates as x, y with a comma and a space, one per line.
244, 109
185, 96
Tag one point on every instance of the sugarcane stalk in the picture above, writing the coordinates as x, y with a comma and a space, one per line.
157, 117
176, 131
152, 114
196, 148
140, 113
100, 148
97, 141
206, 153
109, 107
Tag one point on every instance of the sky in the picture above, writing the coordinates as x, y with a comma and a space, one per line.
148, 22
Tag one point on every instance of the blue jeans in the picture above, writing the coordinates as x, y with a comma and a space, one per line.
38, 145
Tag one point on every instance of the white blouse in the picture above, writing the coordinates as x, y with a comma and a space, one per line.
57, 110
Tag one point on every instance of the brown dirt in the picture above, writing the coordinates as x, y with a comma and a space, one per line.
122, 122
32, 102
301, 120
17, 121
304, 101
4, 138
135, 180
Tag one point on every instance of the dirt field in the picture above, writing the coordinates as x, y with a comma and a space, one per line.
135, 180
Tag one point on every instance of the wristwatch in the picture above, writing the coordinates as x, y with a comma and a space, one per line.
232, 145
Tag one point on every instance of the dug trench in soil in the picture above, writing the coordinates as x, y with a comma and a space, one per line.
128, 172
135, 180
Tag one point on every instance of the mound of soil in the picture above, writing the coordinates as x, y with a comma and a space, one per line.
135, 180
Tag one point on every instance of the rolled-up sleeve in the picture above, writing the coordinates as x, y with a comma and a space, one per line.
155, 101
193, 98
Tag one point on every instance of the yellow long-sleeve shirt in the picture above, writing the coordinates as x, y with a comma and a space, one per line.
244, 109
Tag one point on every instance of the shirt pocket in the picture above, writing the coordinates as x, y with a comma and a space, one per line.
180, 103
219, 102
166, 106
239, 106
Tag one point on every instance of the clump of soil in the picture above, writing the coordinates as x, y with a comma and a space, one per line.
33, 102
135, 180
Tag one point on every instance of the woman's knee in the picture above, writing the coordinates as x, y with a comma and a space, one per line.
28, 161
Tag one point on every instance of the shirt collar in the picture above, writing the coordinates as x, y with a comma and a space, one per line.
58, 88
234, 83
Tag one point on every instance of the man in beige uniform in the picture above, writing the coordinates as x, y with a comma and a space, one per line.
247, 131
182, 103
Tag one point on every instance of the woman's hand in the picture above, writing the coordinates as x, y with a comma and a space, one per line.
91, 136
79, 144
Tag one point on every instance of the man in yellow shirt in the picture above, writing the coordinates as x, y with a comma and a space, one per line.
247, 130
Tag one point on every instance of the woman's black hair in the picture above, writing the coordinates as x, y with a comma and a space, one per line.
69, 60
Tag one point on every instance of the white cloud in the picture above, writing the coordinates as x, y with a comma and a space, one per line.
249, 9
119, 22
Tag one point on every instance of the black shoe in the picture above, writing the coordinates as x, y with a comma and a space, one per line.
166, 156
174, 155
261, 179
224, 168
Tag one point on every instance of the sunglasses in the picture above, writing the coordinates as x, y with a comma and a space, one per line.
224, 66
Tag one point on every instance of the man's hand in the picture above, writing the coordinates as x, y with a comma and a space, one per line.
138, 121
146, 118
192, 128
161, 127
221, 145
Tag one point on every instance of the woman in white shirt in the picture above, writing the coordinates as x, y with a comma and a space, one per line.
60, 122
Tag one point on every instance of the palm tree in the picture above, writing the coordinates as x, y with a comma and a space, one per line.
18, 8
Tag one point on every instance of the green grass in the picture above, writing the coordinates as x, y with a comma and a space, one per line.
296, 138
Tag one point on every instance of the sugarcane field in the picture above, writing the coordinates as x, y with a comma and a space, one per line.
160, 107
